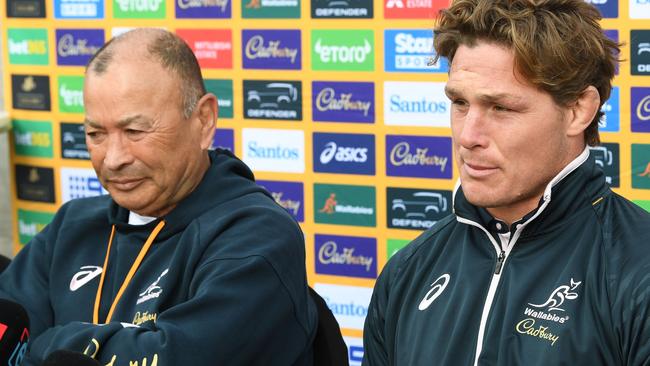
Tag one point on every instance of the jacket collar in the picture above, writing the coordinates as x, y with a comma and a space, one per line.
576, 186
226, 179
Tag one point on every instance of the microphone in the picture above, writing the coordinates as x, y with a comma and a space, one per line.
64, 357
14, 333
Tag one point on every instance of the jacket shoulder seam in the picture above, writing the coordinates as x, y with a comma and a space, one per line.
424, 239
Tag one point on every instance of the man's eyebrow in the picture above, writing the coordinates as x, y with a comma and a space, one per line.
92, 124
499, 97
490, 98
137, 119
451, 92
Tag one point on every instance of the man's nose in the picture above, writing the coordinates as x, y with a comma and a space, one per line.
473, 129
118, 153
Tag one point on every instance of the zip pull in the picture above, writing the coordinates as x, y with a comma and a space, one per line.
500, 259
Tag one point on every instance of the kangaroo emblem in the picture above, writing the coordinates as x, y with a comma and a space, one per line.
154, 288
153, 291
559, 295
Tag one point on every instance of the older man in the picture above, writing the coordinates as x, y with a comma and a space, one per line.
541, 263
188, 261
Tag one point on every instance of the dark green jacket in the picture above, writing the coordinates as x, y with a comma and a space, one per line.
572, 287
224, 282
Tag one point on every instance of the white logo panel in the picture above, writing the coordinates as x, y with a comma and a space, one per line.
349, 304
640, 9
274, 150
80, 183
416, 104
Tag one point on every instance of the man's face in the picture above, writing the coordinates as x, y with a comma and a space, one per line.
509, 137
144, 151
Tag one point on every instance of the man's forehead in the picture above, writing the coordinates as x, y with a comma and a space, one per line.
124, 62
130, 95
483, 57
128, 75
495, 77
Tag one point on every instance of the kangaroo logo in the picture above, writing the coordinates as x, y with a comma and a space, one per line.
559, 295
153, 291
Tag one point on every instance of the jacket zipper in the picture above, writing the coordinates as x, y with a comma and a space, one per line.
494, 283
502, 256
500, 259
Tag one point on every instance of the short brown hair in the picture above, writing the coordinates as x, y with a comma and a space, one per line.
170, 51
558, 45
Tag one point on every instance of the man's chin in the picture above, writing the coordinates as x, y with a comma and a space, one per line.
130, 202
479, 195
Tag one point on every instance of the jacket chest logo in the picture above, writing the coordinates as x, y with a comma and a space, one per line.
143, 317
87, 274
437, 287
558, 296
543, 321
153, 291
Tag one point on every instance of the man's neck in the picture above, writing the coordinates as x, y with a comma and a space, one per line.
514, 212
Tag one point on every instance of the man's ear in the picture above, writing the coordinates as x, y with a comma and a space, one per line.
207, 114
583, 111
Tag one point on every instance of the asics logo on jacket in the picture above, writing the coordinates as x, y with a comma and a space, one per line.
84, 276
437, 287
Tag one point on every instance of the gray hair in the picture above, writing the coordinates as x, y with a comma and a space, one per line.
170, 51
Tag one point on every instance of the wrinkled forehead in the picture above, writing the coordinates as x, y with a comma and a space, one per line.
488, 65
128, 89
132, 74
482, 60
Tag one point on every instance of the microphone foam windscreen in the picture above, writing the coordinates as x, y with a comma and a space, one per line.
14, 332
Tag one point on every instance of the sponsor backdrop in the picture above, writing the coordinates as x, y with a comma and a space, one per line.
334, 104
